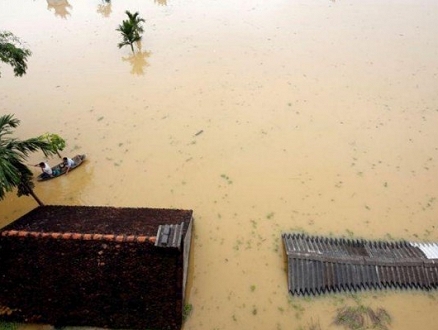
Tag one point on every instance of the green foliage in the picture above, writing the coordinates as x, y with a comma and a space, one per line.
131, 29
13, 154
8, 326
136, 20
227, 178
56, 142
13, 53
187, 310
128, 34
361, 318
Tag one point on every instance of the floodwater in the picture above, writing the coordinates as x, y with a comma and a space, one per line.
261, 116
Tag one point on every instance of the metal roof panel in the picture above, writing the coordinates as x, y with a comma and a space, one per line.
319, 264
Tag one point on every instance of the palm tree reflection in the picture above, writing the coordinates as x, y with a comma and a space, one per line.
104, 8
61, 7
138, 60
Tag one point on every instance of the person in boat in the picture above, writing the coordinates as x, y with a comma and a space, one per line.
46, 169
68, 163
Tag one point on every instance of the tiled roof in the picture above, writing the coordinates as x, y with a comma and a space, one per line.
96, 266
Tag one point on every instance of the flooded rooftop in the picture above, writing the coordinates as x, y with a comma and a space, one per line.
318, 265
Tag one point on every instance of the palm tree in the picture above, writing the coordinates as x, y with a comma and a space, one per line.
136, 20
13, 153
129, 34
131, 29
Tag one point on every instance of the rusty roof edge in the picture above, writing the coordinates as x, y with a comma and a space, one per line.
79, 236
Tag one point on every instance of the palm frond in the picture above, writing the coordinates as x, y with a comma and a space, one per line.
7, 122
123, 43
130, 29
9, 174
24, 147
14, 172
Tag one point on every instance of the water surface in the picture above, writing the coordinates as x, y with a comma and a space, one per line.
261, 116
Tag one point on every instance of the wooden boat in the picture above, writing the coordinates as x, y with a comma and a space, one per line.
61, 169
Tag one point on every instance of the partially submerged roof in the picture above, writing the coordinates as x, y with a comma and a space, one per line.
98, 219
96, 266
318, 265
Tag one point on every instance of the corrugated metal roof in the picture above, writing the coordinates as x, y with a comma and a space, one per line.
169, 235
318, 265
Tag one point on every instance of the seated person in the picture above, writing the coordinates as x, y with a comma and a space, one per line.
68, 163
46, 169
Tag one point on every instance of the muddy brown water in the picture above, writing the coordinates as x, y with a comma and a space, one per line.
261, 116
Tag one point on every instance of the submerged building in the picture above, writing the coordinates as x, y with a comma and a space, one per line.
96, 266
319, 265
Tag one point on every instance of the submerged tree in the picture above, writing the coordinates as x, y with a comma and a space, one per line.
131, 29
13, 53
136, 20
128, 33
14, 172
56, 142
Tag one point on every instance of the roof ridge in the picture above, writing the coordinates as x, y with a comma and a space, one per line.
80, 236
